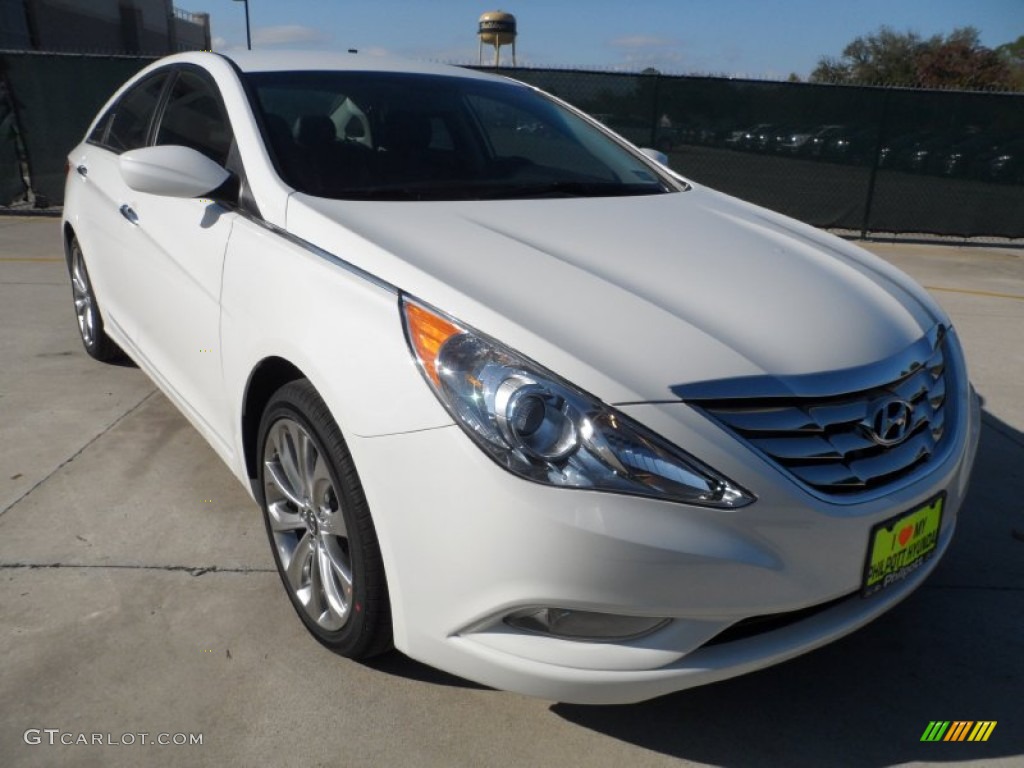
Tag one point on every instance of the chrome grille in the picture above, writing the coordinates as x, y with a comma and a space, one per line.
832, 444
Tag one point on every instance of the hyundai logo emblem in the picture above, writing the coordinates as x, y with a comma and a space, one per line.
890, 422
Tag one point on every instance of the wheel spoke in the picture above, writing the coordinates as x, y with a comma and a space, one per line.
316, 604
80, 277
340, 567
281, 454
307, 458
334, 525
298, 568
318, 472
288, 455
282, 483
336, 597
282, 518
89, 322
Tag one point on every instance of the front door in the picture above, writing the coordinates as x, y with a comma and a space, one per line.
176, 276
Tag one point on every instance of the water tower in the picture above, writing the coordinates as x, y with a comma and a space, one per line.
497, 28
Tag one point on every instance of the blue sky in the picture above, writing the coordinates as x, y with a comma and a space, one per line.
751, 38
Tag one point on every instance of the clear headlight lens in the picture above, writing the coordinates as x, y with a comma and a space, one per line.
542, 428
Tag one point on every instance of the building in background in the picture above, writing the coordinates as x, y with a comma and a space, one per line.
146, 27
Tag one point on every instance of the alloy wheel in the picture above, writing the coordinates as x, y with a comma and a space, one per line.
85, 302
307, 524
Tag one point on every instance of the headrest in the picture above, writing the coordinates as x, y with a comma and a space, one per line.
314, 130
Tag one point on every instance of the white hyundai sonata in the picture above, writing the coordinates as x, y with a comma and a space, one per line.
515, 398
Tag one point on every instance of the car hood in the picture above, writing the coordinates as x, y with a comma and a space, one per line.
635, 298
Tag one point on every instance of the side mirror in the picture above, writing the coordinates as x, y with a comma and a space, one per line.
655, 155
171, 171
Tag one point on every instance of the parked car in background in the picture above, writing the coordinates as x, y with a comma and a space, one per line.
895, 152
763, 139
815, 145
748, 139
923, 156
513, 397
1004, 163
790, 139
856, 146
962, 157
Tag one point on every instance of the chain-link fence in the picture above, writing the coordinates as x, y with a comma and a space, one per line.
866, 159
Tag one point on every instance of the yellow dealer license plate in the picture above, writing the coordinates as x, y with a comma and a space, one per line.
900, 546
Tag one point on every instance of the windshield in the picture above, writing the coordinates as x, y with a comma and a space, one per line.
396, 136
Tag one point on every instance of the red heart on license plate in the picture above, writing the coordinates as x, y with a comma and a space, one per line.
905, 535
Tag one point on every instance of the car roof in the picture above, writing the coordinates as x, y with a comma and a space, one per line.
319, 61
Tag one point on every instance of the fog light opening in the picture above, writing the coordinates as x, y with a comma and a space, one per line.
583, 625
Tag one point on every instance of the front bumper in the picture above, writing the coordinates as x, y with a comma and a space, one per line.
466, 543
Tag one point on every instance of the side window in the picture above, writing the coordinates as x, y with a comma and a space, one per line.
99, 133
129, 127
194, 118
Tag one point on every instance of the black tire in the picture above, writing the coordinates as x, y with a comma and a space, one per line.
94, 337
331, 530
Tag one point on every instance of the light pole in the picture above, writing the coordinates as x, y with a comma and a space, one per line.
248, 36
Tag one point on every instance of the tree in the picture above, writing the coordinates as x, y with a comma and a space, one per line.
957, 60
1013, 55
1013, 52
886, 56
962, 62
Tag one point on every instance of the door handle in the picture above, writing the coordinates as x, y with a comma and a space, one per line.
82, 170
128, 213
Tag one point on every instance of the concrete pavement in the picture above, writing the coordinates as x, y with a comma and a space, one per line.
138, 593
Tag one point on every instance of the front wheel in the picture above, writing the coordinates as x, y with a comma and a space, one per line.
319, 525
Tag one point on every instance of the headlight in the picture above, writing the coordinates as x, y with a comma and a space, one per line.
540, 427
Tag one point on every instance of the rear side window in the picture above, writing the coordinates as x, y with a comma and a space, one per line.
194, 118
99, 133
129, 127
